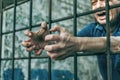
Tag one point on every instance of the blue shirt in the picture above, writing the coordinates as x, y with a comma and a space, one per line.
96, 30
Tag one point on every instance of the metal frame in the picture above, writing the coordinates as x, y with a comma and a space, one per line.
74, 16
0, 31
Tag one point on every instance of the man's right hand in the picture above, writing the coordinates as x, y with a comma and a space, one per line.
36, 40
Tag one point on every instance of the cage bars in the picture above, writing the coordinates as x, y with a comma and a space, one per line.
13, 46
75, 34
30, 27
1, 17
109, 60
49, 59
74, 16
66, 18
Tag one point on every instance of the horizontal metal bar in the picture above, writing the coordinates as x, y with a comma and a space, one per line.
79, 54
7, 4
42, 57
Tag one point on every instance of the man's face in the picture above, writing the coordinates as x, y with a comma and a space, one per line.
101, 16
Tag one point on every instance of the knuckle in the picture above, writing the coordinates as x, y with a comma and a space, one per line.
62, 46
51, 48
52, 37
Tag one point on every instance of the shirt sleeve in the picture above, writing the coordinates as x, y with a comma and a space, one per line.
86, 31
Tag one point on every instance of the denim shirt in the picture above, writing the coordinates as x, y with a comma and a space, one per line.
95, 30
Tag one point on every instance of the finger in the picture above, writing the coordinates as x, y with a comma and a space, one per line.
39, 51
52, 55
26, 43
30, 48
44, 25
52, 37
43, 31
57, 55
53, 47
58, 28
28, 33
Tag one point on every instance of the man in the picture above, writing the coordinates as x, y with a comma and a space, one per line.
90, 39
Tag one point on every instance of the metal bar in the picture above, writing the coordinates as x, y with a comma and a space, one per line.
1, 16
13, 46
113, 6
75, 34
75, 17
109, 65
10, 3
50, 18
42, 57
30, 27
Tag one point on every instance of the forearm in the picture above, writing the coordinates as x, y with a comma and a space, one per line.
96, 44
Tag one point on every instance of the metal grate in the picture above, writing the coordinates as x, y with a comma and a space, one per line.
74, 17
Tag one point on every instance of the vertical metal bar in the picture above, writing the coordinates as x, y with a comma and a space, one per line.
50, 17
75, 34
1, 13
30, 26
13, 46
109, 62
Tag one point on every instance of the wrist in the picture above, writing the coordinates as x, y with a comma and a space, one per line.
77, 43
89, 44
